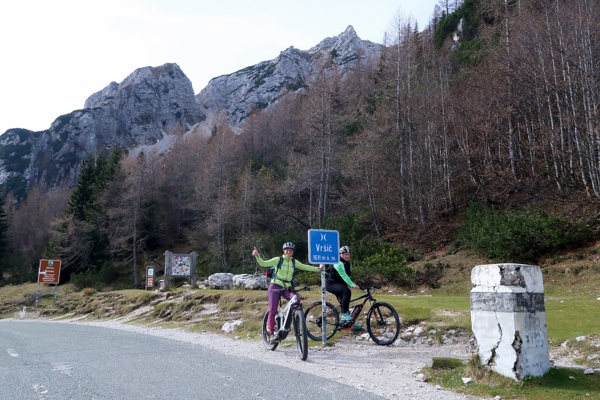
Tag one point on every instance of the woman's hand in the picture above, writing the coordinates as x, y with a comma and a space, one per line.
255, 252
321, 267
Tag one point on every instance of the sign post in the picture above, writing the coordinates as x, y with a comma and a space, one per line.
49, 274
149, 276
180, 265
323, 248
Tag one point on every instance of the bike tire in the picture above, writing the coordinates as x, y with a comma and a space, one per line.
300, 332
314, 317
269, 345
383, 324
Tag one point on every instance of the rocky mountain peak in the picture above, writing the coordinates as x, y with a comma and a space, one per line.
238, 95
349, 36
140, 110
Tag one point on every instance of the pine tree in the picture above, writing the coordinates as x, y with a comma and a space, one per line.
80, 237
83, 194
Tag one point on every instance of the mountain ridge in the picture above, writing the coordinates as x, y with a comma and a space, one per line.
151, 102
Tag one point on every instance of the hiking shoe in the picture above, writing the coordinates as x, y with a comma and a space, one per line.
356, 327
274, 337
347, 317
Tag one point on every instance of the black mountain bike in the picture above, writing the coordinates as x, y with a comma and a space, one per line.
383, 323
291, 315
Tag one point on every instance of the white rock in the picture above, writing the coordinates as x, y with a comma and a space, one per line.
421, 378
230, 326
221, 280
467, 380
401, 343
589, 371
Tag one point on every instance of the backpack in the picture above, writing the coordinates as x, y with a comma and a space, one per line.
331, 274
272, 272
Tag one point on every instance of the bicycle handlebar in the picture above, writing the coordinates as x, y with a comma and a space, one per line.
293, 290
368, 287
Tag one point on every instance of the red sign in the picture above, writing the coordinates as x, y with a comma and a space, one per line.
49, 272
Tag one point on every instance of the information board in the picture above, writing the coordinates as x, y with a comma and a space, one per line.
149, 277
49, 272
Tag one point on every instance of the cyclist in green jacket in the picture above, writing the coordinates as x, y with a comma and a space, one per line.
339, 283
282, 278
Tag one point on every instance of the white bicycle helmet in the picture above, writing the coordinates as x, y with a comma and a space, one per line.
344, 249
289, 245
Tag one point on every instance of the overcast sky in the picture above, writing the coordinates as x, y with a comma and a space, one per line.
56, 53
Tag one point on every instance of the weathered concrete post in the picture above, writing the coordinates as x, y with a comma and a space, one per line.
509, 319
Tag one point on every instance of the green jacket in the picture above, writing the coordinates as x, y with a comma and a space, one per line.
341, 270
285, 273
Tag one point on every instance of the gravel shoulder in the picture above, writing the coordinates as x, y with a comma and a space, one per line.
390, 372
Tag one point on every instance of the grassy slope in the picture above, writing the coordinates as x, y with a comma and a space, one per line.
572, 287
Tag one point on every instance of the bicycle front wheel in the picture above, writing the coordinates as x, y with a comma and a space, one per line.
383, 324
269, 345
300, 331
314, 320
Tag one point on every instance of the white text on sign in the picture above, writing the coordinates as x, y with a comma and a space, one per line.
326, 248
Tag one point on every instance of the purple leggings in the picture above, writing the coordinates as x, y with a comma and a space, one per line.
273, 296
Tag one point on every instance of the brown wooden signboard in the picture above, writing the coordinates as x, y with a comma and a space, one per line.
49, 272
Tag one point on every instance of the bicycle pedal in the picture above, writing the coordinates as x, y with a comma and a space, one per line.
346, 324
274, 338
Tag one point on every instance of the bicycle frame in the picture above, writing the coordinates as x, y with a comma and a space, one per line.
287, 311
367, 297
290, 315
382, 320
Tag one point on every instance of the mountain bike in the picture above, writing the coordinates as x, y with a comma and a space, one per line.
290, 315
383, 322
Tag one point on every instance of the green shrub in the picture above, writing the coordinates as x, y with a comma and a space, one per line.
387, 266
517, 236
431, 274
88, 279
309, 278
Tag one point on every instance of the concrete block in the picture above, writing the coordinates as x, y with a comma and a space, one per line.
509, 319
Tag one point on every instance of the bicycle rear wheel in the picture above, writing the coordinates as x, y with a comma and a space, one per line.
300, 331
269, 345
383, 324
314, 320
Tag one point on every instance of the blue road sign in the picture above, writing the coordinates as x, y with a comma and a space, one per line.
323, 246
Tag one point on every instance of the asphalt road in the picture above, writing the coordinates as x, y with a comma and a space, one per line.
43, 361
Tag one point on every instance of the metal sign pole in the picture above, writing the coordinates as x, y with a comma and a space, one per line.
323, 308
37, 295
